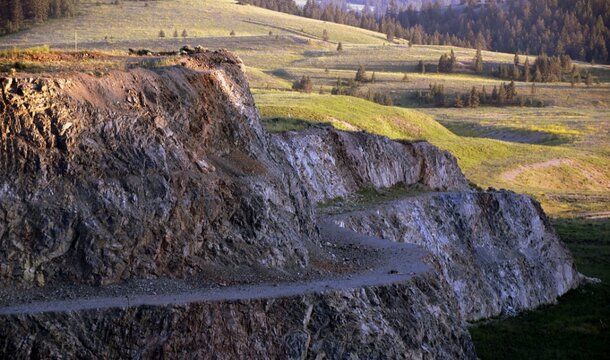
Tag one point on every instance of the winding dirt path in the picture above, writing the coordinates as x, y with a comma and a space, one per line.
398, 262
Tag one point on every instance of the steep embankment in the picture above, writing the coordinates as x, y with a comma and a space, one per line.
164, 174
496, 249
168, 174
334, 163
399, 309
143, 174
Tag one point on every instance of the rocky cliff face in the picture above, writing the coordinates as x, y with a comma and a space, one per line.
167, 173
497, 250
412, 320
335, 163
143, 173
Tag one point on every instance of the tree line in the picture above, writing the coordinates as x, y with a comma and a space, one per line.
15, 13
502, 95
578, 28
544, 69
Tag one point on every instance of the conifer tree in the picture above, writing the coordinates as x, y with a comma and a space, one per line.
474, 99
588, 79
421, 67
360, 74
526, 70
478, 62
501, 95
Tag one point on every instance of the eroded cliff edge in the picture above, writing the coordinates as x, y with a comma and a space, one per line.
168, 173
497, 249
143, 174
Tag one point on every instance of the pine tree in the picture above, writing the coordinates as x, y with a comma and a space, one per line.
405, 77
373, 77
304, 84
516, 72
15, 14
511, 91
537, 75
483, 96
390, 35
175, 33
588, 79
452, 61
325, 35
340, 47
459, 103
516, 60
474, 99
533, 89
232, 33
360, 74
184, 33
446, 63
421, 67
526, 70
501, 95
161, 33
478, 62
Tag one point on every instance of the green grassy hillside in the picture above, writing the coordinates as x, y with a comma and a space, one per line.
102, 22
544, 171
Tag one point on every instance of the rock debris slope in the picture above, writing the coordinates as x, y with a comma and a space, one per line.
167, 174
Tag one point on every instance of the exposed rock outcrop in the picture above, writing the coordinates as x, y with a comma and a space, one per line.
497, 250
400, 308
168, 173
335, 163
144, 173
412, 320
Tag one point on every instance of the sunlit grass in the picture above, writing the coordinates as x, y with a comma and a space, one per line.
484, 161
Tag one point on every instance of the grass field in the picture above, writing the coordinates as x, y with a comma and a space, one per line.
101, 22
489, 163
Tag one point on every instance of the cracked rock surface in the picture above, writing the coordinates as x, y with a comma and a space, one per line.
165, 178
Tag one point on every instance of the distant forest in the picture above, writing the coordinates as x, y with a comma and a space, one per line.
15, 13
578, 28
